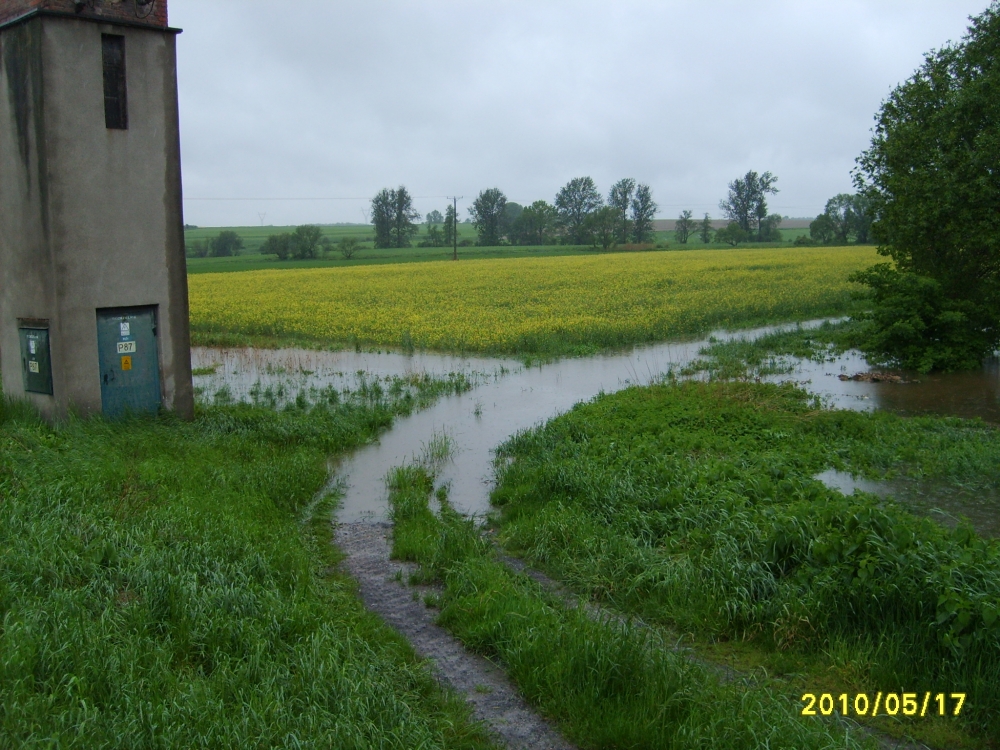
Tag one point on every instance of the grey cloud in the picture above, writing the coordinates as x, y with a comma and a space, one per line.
333, 100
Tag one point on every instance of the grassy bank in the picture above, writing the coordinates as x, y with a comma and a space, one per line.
528, 306
607, 684
169, 584
693, 505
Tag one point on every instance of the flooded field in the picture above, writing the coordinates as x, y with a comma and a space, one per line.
507, 397
968, 395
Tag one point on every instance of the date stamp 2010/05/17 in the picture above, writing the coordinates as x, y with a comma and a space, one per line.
887, 704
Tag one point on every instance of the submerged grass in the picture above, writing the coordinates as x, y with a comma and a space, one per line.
693, 505
775, 352
608, 684
169, 584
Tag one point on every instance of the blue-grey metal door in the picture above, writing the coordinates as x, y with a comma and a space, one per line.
129, 359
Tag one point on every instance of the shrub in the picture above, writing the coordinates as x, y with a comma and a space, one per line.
915, 325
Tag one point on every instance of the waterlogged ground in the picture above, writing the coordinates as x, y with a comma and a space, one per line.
504, 397
498, 398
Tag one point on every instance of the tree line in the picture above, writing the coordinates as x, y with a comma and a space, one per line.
745, 206
304, 243
580, 215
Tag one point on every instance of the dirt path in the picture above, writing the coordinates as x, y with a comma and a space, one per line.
495, 699
493, 696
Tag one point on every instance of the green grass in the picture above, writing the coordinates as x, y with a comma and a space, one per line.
693, 505
254, 237
607, 684
170, 584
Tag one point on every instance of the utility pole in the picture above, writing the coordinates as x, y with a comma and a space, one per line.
262, 215
454, 227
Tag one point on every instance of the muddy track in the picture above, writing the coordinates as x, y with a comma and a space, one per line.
494, 698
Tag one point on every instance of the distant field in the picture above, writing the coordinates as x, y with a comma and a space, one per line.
254, 237
548, 305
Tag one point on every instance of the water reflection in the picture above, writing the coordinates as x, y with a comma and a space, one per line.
961, 394
943, 502
244, 373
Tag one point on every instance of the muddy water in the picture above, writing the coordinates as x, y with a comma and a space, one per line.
942, 502
963, 394
509, 398
478, 421
245, 373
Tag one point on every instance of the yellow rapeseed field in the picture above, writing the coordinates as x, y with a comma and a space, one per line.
551, 304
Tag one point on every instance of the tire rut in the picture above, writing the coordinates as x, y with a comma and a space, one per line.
495, 699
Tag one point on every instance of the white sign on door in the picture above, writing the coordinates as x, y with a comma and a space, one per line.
126, 328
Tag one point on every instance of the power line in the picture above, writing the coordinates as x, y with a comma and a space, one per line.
366, 198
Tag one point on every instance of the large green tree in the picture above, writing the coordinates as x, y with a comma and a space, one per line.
535, 225
705, 230
449, 226
488, 212
577, 199
932, 176
746, 202
846, 217
643, 210
226, 244
620, 199
393, 217
684, 227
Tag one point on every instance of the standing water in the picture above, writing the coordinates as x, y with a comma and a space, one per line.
507, 398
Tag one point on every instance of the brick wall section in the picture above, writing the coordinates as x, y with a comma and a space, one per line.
111, 10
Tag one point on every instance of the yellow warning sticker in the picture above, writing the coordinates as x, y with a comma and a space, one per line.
126, 363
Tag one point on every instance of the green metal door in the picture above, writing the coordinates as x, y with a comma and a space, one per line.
129, 360
36, 363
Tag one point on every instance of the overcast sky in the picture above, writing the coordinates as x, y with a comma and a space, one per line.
301, 110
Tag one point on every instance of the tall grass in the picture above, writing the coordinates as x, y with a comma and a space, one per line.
694, 505
607, 684
169, 584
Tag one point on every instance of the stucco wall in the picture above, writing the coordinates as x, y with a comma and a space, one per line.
89, 217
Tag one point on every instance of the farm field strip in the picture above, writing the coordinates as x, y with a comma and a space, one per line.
553, 305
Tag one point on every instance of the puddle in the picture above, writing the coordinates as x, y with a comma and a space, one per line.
944, 503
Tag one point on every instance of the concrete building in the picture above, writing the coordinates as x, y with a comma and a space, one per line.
93, 282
